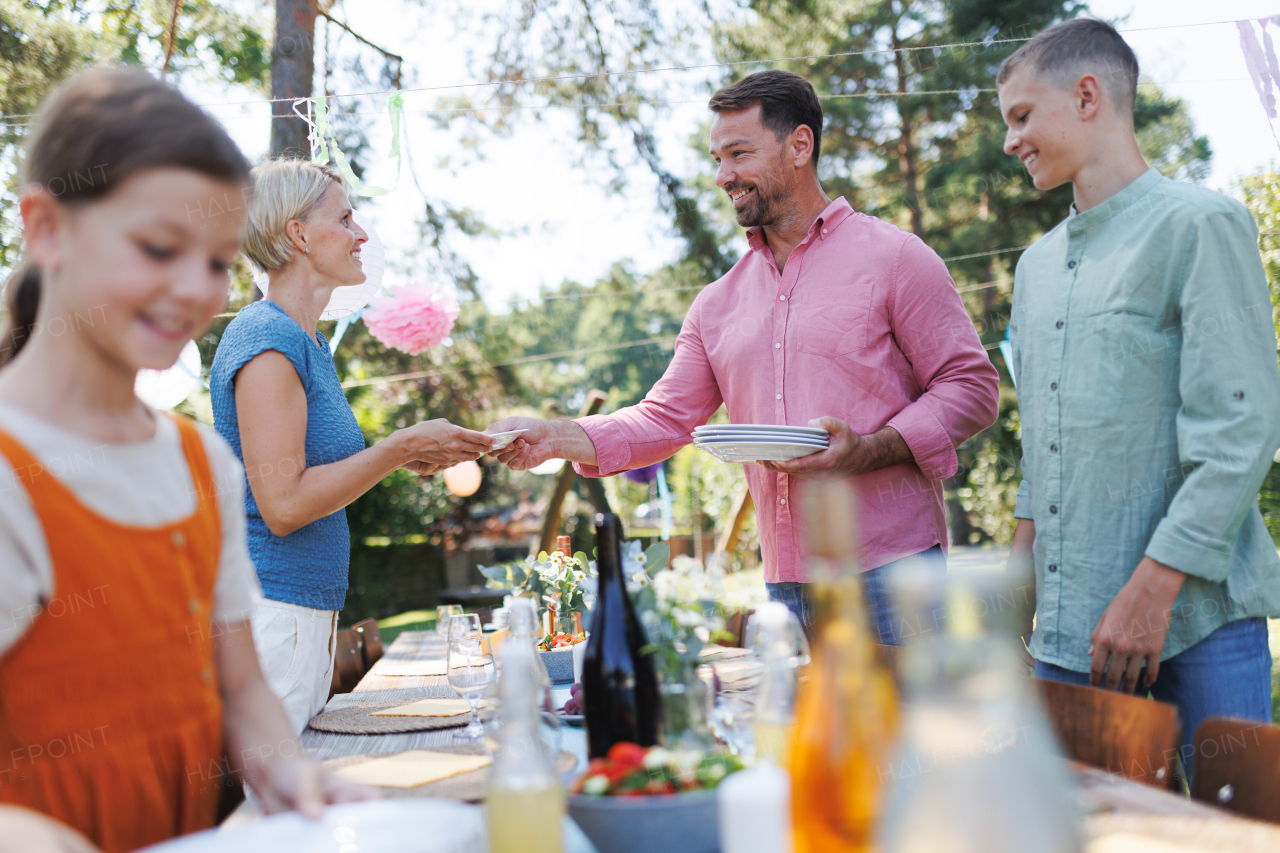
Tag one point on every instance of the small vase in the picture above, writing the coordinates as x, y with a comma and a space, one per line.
567, 623
685, 704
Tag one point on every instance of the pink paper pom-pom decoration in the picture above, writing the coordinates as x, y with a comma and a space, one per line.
414, 318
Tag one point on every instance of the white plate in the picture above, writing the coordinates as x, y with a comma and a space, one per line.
417, 825
760, 452
502, 439
752, 446
710, 428
764, 436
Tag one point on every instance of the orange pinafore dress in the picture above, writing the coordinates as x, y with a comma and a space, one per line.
110, 716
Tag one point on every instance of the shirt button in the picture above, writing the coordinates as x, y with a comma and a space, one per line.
777, 346
782, 299
824, 231
777, 396
1058, 324
179, 539
1053, 510
1053, 448
1053, 386
1053, 567
1071, 265
783, 501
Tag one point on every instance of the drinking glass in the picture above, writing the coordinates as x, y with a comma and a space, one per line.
791, 638
470, 668
444, 613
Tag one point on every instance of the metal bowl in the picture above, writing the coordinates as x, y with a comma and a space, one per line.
669, 823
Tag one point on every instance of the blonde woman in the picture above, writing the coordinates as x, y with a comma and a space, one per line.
278, 403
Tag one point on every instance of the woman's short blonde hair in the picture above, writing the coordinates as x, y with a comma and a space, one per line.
283, 189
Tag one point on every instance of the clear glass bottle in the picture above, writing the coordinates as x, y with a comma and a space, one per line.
977, 770
775, 703
524, 801
523, 622
755, 804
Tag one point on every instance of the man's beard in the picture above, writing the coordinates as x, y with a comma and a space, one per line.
761, 209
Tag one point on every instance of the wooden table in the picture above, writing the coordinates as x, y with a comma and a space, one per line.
1121, 816
410, 645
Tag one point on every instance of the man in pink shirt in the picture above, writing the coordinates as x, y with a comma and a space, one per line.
833, 319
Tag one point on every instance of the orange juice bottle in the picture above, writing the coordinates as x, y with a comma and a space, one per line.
846, 711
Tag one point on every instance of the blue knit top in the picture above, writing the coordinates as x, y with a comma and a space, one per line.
309, 566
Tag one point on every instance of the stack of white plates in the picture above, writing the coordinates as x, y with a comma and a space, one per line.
760, 442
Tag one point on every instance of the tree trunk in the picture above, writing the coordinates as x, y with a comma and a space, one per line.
292, 72
906, 144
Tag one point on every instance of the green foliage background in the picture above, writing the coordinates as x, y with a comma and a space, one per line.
930, 163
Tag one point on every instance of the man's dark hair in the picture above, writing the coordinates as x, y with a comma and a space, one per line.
786, 101
1065, 52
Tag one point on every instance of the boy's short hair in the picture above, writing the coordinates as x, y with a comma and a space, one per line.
1067, 51
786, 101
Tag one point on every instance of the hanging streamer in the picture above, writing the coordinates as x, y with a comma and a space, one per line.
324, 143
1264, 69
664, 494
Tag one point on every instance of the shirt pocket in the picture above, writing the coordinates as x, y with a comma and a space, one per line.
1135, 359
831, 324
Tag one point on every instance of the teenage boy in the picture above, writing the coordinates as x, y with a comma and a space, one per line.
1149, 398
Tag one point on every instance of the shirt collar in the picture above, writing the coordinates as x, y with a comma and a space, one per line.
1077, 221
832, 215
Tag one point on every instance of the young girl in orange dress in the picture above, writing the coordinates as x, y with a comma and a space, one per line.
127, 668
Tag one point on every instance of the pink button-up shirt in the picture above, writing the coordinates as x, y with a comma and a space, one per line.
864, 325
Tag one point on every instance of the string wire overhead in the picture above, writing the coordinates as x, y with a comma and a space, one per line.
522, 81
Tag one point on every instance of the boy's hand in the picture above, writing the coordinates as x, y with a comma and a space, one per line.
1133, 628
301, 784
1021, 578
25, 831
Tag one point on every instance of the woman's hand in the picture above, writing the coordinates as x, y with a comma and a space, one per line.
272, 407
441, 444
25, 831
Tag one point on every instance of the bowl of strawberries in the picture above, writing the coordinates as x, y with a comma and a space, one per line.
638, 799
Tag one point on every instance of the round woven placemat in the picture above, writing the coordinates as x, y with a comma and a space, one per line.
356, 720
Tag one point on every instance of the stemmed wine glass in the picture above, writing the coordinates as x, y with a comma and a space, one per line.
444, 613
470, 667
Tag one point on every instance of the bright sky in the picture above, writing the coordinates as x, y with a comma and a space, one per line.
562, 223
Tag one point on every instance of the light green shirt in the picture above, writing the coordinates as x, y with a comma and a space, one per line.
1150, 403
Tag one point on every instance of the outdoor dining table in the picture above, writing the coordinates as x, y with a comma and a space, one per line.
1121, 815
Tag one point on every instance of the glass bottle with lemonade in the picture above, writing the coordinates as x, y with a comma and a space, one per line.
846, 712
524, 801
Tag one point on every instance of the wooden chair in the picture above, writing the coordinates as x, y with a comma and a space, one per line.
348, 665
335, 681
736, 625
1237, 766
1132, 737
370, 642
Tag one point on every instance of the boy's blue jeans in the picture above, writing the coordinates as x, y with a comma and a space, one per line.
881, 615
1227, 674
